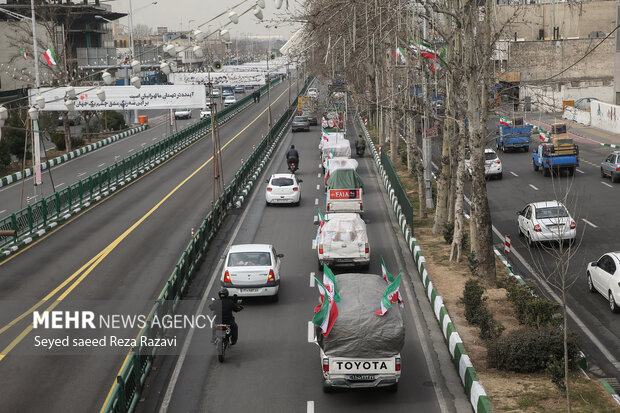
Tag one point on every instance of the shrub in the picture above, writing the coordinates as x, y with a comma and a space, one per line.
59, 140
541, 312
116, 120
472, 298
472, 263
527, 351
555, 369
519, 295
448, 232
490, 328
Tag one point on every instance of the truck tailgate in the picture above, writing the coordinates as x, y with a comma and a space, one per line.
339, 365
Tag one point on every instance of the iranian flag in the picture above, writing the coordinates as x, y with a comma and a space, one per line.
322, 220
325, 134
504, 121
329, 281
325, 314
50, 57
23, 53
389, 278
390, 296
400, 53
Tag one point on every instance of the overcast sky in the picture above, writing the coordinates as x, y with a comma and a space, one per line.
177, 14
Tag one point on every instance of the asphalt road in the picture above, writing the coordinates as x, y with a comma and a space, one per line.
591, 201
113, 256
273, 367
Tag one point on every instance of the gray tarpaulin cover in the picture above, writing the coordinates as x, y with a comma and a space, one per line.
359, 332
344, 179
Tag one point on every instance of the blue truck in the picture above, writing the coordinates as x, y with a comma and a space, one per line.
513, 135
560, 153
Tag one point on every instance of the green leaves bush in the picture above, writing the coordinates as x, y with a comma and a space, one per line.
477, 312
531, 310
531, 350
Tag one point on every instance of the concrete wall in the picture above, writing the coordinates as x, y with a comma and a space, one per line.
605, 116
549, 98
575, 19
576, 115
538, 60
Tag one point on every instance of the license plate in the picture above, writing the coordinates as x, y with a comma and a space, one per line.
361, 377
248, 290
342, 260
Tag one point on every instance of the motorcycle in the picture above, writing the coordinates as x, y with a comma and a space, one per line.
360, 150
222, 340
292, 166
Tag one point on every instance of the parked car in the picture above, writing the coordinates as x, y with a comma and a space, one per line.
610, 167
249, 86
229, 100
205, 113
283, 189
584, 103
252, 270
546, 221
604, 276
300, 123
215, 93
183, 113
228, 91
239, 89
492, 164
73, 117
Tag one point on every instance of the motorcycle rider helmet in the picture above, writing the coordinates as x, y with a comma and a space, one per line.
223, 293
292, 146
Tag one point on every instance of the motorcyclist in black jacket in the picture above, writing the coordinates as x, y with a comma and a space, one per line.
292, 156
223, 309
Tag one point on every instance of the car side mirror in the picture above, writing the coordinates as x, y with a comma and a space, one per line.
519, 213
300, 180
280, 255
594, 264
266, 181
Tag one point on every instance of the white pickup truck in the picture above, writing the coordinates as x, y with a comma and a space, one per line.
362, 349
343, 241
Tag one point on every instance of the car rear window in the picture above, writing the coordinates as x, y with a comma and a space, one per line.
248, 259
299, 119
551, 212
489, 156
282, 182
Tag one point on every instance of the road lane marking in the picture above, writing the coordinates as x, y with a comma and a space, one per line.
3, 211
130, 151
318, 175
580, 171
589, 223
311, 336
80, 174
310, 406
316, 201
312, 284
513, 173
60, 184
320, 165
314, 244
533, 187
99, 166
606, 184
318, 187
87, 268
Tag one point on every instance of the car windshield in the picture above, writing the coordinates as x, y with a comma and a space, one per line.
247, 259
489, 156
282, 182
551, 212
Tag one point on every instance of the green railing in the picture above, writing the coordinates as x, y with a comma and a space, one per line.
127, 388
385, 164
37, 218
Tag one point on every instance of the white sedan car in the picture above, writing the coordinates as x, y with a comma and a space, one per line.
546, 221
604, 276
283, 189
183, 113
492, 164
229, 100
205, 113
252, 270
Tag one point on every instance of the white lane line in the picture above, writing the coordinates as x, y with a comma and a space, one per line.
99, 166
320, 165
155, 138
589, 223
318, 175
311, 338
513, 173
130, 151
318, 187
3, 211
80, 174
312, 279
61, 184
606, 184
314, 244
310, 406
316, 201
580, 171
533, 187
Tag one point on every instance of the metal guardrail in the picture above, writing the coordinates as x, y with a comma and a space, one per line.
399, 191
126, 391
36, 219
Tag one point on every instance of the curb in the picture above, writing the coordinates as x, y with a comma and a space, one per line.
18, 176
610, 390
473, 388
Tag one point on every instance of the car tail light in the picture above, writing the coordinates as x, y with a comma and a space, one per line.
397, 364
272, 276
326, 364
227, 277
618, 169
537, 228
221, 327
367, 248
269, 188
295, 188
328, 206
497, 161
573, 225
361, 206
320, 248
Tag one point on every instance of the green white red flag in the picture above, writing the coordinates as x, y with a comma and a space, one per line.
322, 220
330, 283
23, 53
400, 54
325, 314
50, 57
391, 296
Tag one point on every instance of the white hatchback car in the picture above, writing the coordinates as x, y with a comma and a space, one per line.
546, 221
283, 189
229, 100
252, 270
492, 164
205, 113
604, 276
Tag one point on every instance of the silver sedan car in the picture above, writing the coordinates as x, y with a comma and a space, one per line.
610, 167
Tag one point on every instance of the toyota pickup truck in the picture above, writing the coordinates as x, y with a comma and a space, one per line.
343, 241
344, 191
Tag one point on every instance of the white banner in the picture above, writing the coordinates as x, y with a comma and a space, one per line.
218, 78
125, 97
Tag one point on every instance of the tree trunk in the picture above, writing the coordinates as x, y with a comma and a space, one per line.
443, 188
457, 237
419, 166
65, 123
409, 133
393, 141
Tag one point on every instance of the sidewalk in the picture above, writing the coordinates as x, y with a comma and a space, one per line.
578, 132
